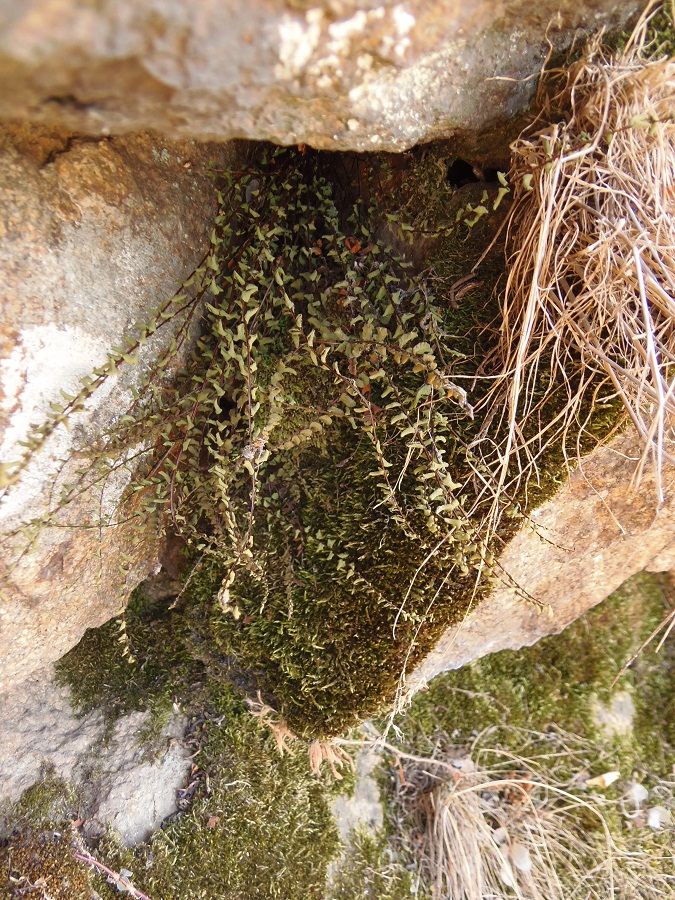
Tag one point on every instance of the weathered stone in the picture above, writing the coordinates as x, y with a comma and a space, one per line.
117, 784
362, 808
131, 793
594, 534
93, 234
615, 718
337, 74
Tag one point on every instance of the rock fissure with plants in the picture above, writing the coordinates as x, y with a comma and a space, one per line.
319, 457
308, 453
333, 476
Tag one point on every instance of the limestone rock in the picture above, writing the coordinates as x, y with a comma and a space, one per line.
134, 794
336, 74
594, 534
93, 234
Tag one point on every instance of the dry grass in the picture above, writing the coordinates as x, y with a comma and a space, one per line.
493, 825
330, 752
591, 284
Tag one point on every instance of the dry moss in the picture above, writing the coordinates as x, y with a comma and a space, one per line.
40, 865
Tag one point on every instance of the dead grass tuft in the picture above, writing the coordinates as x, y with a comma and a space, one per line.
492, 824
591, 286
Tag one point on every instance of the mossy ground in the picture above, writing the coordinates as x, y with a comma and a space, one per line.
258, 826
370, 870
262, 828
518, 703
556, 680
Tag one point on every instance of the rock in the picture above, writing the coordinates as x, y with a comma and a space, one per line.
115, 782
93, 234
359, 811
615, 718
584, 543
339, 74
362, 808
44, 732
133, 794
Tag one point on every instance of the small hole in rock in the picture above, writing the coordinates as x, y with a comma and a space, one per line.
460, 173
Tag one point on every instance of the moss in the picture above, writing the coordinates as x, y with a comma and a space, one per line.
660, 35
651, 678
534, 709
370, 870
318, 624
348, 579
556, 681
40, 864
259, 827
159, 668
258, 824
47, 804
274, 835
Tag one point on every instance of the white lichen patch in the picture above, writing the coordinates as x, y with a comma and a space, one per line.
324, 51
297, 42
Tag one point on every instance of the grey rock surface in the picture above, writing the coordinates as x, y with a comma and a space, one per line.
119, 785
363, 807
615, 717
93, 234
361, 810
597, 532
134, 794
40, 729
337, 74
